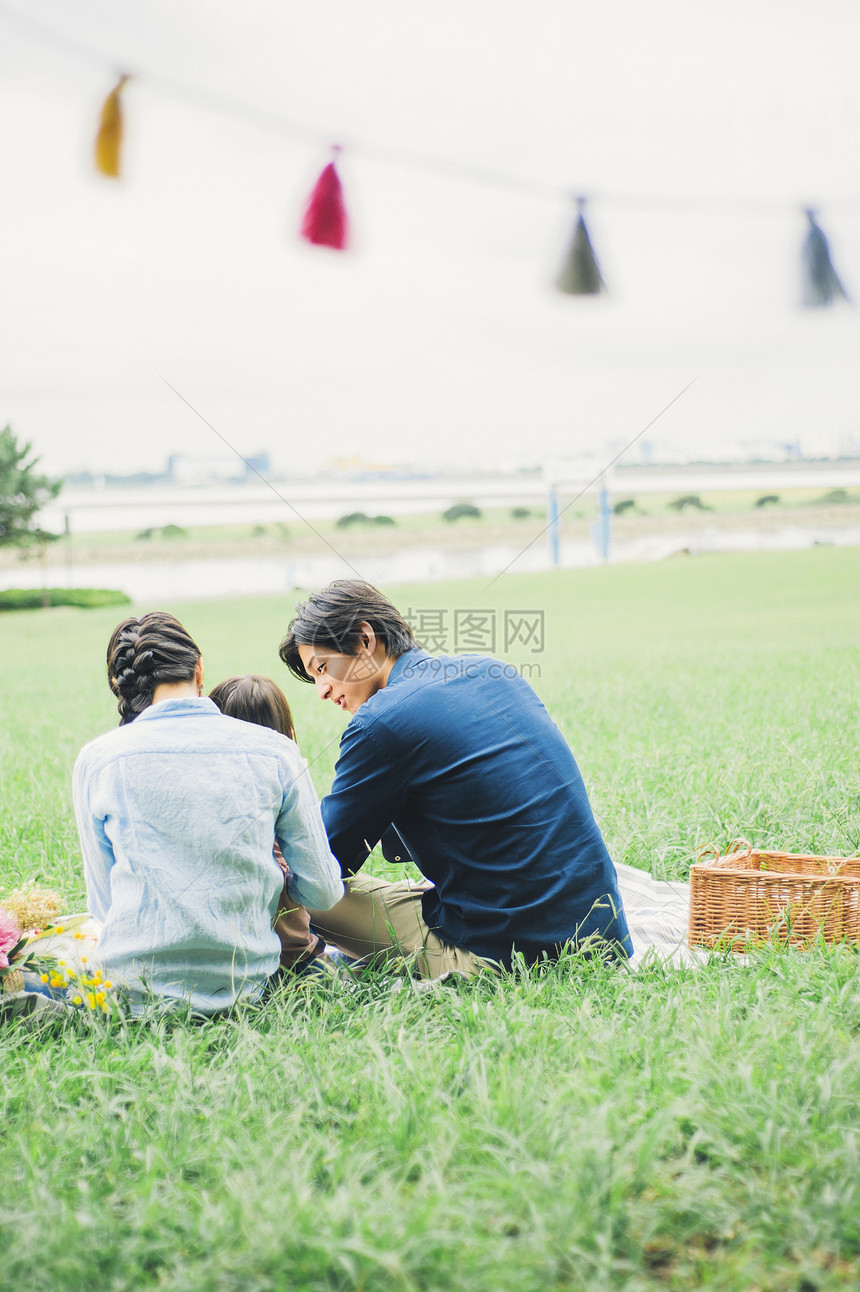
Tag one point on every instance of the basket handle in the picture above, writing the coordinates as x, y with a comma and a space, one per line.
711, 854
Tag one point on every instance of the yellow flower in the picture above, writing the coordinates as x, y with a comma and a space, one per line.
108, 984
71, 972
59, 928
100, 997
43, 977
76, 1000
91, 1000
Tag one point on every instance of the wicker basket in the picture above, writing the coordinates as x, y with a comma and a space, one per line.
11, 981
748, 897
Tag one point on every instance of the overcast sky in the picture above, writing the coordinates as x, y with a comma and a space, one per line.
698, 130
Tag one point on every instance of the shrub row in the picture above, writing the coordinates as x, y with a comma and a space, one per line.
84, 598
362, 518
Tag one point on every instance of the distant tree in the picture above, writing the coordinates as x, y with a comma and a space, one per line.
23, 492
520, 513
353, 518
766, 498
384, 520
688, 500
461, 510
624, 504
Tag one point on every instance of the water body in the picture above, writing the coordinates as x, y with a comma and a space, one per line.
151, 582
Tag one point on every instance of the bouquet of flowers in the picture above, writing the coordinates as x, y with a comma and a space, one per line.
31, 935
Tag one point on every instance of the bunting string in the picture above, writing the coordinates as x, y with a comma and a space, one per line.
325, 220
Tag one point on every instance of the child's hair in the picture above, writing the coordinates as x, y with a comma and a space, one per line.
255, 699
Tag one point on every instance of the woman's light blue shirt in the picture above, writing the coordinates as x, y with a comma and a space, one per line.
177, 813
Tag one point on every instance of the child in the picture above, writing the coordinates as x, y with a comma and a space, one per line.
260, 700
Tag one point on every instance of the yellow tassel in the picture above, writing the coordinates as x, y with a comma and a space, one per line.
108, 148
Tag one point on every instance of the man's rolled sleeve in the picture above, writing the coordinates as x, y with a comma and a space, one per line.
367, 793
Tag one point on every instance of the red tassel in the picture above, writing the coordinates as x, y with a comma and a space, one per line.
325, 223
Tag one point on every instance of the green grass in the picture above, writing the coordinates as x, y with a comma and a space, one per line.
572, 1128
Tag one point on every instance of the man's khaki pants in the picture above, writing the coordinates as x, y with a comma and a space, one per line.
376, 921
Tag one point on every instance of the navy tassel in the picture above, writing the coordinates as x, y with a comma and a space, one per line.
580, 274
821, 285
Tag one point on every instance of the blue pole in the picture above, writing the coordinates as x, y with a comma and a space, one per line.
605, 521
553, 526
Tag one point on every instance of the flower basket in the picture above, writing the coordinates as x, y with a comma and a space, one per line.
748, 897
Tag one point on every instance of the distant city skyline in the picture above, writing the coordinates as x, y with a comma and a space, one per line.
180, 470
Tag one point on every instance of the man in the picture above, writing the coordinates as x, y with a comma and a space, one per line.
454, 760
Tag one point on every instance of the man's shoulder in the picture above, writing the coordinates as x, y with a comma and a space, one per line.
426, 671
430, 686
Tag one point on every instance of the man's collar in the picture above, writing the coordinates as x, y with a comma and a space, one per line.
411, 658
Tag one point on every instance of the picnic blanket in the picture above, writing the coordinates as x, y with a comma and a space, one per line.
657, 912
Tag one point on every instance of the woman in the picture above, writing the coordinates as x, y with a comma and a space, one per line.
176, 812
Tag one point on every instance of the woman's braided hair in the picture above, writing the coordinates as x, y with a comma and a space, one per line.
144, 653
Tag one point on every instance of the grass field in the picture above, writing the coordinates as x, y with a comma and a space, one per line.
572, 1128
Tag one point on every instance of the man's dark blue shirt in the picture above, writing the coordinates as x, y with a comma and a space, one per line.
459, 754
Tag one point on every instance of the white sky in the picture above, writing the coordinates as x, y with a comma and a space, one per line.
698, 128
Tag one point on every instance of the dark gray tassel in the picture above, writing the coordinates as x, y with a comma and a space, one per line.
580, 274
821, 285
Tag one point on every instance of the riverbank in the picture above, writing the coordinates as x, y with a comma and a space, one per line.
159, 565
730, 514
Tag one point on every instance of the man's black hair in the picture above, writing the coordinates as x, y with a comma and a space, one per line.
331, 620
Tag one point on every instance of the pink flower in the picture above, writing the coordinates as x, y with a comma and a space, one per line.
10, 934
